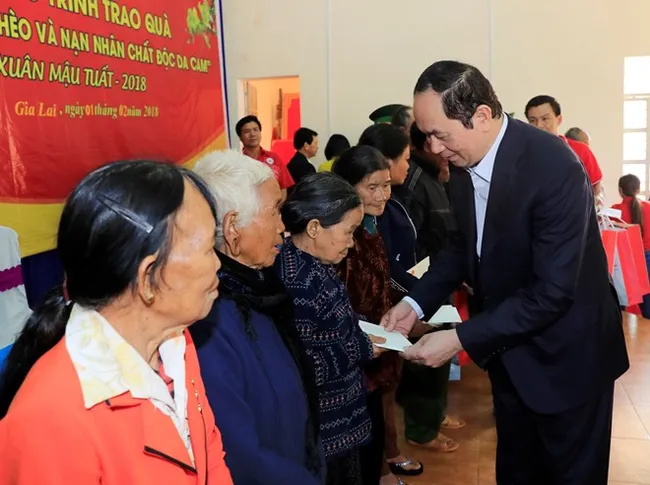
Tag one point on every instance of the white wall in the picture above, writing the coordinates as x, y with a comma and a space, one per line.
373, 65
264, 38
574, 51
353, 57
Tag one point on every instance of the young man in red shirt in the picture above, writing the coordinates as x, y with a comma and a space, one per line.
249, 131
545, 113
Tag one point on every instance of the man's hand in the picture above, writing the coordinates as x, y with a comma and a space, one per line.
377, 351
434, 349
401, 317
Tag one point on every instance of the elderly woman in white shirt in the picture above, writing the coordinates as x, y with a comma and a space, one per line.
103, 385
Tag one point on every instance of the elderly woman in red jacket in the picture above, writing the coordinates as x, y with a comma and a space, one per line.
103, 385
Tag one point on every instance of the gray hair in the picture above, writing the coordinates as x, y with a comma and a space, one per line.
233, 179
574, 133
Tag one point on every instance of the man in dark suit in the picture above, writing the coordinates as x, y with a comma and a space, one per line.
305, 141
546, 323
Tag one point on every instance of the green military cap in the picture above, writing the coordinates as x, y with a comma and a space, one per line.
385, 113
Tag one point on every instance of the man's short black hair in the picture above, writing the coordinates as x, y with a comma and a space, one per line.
302, 136
418, 138
244, 121
462, 87
541, 100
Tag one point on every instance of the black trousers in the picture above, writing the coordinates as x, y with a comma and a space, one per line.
569, 448
372, 455
345, 470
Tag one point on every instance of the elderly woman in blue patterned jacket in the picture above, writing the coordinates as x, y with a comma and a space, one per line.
257, 375
322, 214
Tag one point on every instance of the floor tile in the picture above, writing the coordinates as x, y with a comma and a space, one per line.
627, 423
630, 461
643, 411
473, 463
620, 394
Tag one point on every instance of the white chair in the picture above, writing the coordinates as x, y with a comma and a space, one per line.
14, 309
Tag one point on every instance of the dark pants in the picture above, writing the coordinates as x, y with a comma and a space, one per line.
645, 306
568, 448
372, 455
423, 396
345, 470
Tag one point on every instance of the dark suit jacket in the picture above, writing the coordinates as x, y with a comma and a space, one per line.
299, 167
546, 308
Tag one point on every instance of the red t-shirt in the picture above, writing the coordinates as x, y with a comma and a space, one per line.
626, 215
280, 170
587, 158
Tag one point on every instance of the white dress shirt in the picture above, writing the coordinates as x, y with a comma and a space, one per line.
481, 175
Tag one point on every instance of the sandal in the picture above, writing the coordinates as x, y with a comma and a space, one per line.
399, 468
452, 423
399, 480
441, 444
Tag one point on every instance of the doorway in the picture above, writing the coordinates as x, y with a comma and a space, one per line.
276, 102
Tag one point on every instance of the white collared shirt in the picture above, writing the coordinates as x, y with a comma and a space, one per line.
481, 175
107, 366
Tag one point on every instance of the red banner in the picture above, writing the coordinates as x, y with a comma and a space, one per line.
85, 82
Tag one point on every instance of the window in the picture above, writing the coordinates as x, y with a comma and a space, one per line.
636, 90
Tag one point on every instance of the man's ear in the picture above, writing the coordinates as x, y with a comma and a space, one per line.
482, 117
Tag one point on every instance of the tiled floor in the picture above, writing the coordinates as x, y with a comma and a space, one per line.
473, 463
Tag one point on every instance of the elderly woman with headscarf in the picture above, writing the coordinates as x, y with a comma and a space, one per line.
258, 377
103, 385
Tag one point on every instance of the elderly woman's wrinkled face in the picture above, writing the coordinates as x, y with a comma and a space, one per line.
374, 191
331, 244
187, 285
259, 240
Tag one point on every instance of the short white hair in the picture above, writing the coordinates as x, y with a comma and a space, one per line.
233, 179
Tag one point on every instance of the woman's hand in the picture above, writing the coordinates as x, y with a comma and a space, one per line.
377, 351
419, 329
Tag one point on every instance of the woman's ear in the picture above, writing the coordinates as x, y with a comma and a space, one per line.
313, 228
231, 235
146, 286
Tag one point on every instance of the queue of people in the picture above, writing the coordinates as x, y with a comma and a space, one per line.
207, 330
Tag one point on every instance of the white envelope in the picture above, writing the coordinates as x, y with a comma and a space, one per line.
608, 211
446, 314
419, 269
394, 340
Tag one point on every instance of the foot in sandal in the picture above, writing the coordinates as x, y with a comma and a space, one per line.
452, 422
403, 465
391, 479
441, 444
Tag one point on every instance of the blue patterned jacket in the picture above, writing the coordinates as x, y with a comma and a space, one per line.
329, 328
